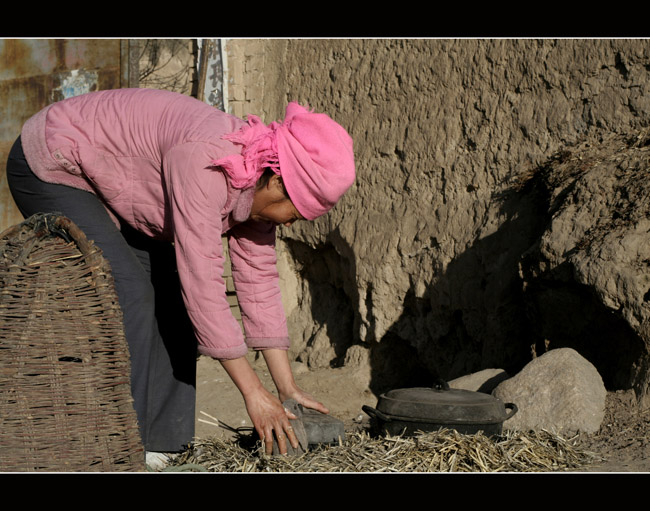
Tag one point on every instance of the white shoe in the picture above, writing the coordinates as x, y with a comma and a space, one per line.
157, 460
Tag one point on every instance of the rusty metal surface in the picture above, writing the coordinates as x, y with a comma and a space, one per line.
37, 72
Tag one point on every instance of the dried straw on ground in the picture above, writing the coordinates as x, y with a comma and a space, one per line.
443, 451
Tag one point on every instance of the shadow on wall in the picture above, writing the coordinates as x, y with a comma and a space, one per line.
562, 312
478, 313
468, 320
328, 279
472, 317
481, 314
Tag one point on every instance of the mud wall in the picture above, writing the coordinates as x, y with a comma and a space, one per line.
416, 272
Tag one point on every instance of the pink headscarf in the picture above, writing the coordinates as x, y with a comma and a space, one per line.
311, 152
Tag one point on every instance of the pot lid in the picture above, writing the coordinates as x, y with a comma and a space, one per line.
442, 404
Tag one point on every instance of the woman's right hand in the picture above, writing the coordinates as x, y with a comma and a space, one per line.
269, 417
265, 410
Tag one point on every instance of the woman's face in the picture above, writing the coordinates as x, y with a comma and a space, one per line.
270, 204
280, 212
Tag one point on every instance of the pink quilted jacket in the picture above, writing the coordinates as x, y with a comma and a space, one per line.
146, 154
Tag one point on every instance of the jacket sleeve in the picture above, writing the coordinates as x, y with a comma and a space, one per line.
255, 275
197, 195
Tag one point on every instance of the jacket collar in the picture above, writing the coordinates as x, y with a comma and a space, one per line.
244, 202
238, 205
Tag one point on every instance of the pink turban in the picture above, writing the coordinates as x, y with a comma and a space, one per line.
312, 153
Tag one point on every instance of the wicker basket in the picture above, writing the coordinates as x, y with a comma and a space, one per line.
65, 399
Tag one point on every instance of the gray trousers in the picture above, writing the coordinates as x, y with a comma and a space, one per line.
162, 346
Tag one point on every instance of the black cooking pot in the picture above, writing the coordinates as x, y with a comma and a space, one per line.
405, 411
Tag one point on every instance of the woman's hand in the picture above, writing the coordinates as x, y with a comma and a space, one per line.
305, 399
278, 363
269, 417
265, 410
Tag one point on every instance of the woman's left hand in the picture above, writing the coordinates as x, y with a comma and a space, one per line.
305, 399
278, 363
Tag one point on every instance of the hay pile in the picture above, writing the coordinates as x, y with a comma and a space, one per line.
442, 451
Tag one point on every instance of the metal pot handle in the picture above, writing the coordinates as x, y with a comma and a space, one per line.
513, 410
375, 414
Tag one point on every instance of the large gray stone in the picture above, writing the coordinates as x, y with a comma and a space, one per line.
559, 391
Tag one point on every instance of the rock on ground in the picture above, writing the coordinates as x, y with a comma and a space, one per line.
559, 391
481, 381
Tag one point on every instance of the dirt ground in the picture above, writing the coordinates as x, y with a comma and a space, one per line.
623, 436
218, 398
622, 440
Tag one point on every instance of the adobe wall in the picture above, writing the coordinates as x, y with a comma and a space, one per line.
416, 271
